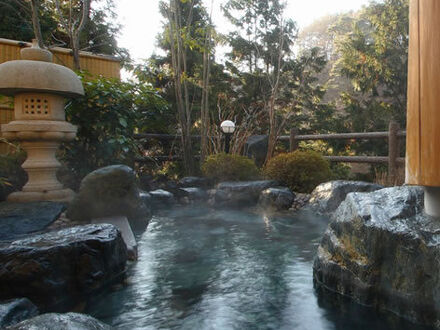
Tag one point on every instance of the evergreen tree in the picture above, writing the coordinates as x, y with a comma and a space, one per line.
267, 73
99, 34
374, 56
187, 74
16, 18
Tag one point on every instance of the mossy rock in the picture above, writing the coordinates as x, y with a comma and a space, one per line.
108, 191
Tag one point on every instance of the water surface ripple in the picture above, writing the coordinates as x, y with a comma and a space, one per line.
205, 269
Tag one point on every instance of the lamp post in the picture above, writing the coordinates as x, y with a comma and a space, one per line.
228, 128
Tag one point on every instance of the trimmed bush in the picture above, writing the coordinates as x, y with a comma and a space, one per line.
301, 171
227, 167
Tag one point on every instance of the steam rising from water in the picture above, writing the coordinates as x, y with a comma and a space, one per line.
205, 269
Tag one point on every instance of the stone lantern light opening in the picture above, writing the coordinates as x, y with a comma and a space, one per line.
40, 88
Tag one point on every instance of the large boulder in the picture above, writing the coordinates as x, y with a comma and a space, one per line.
301, 200
151, 183
195, 181
327, 196
140, 225
162, 199
276, 199
19, 219
68, 321
256, 148
383, 251
241, 193
194, 194
16, 310
57, 270
109, 191
146, 198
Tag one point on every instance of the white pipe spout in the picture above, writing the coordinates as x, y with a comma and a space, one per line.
432, 201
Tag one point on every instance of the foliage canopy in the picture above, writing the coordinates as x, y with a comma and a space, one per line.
107, 117
99, 35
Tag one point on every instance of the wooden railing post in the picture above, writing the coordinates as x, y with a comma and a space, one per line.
293, 144
393, 150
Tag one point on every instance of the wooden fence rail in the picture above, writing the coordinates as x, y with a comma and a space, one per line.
393, 135
164, 137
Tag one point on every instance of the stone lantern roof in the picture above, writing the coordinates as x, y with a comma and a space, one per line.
35, 72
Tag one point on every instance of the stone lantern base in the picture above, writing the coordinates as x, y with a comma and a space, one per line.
40, 139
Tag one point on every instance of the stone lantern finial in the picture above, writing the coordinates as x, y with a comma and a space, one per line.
39, 88
35, 53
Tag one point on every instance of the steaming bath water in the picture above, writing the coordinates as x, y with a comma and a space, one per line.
205, 269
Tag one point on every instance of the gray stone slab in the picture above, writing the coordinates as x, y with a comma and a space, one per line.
16, 310
60, 269
19, 219
276, 199
326, 197
123, 225
241, 193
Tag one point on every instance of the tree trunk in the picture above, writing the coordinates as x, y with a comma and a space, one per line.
77, 34
74, 26
272, 139
35, 5
274, 128
205, 98
75, 52
184, 111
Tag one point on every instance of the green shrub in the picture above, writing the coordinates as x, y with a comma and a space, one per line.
171, 170
107, 117
340, 171
301, 171
228, 167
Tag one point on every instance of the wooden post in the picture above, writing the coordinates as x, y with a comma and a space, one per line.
293, 144
393, 150
423, 117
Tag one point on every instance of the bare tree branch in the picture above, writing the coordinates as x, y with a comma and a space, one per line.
85, 15
73, 25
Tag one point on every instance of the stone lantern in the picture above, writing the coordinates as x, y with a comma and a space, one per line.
39, 88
